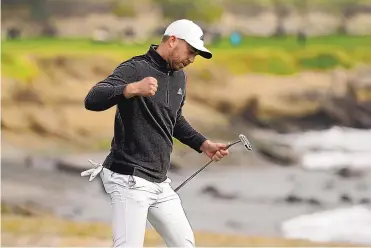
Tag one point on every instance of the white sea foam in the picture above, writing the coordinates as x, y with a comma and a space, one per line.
339, 225
334, 148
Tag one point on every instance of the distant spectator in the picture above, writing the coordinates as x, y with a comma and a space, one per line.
280, 31
301, 38
235, 38
13, 33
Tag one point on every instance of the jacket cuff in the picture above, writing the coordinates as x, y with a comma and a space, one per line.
119, 90
197, 142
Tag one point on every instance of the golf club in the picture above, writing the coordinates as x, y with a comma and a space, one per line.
242, 139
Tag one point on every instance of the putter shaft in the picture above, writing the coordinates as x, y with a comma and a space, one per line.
203, 167
193, 175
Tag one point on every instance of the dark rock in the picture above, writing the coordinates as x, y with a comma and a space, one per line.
27, 95
278, 154
250, 111
224, 107
214, 192
348, 173
345, 198
315, 202
334, 110
293, 199
365, 201
129, 32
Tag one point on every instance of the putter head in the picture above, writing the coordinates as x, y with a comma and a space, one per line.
245, 142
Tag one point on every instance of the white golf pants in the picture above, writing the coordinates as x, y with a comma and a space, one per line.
134, 199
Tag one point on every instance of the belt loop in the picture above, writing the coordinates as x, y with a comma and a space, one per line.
131, 181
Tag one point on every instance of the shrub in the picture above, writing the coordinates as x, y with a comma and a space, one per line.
207, 11
320, 61
123, 9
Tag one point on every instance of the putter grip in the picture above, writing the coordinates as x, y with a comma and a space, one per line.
226, 148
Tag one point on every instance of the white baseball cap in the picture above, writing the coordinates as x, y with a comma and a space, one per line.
190, 32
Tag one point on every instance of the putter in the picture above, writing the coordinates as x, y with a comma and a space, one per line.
242, 139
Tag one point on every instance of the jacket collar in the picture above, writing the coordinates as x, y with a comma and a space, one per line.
159, 61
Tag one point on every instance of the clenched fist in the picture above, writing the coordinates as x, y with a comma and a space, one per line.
145, 87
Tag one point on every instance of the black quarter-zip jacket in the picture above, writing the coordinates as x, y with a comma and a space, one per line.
144, 126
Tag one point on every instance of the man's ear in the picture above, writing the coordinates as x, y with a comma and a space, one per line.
173, 41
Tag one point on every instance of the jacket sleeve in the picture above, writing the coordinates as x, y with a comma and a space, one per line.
108, 92
185, 133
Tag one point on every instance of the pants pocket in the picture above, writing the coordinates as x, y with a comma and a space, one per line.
112, 181
125, 181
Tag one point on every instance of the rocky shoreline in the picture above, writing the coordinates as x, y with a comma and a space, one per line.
249, 200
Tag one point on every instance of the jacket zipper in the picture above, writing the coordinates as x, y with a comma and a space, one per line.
167, 88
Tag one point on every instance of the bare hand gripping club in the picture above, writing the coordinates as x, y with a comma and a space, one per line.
242, 139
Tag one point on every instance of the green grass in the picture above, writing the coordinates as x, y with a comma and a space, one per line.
280, 56
283, 56
290, 43
51, 46
248, 43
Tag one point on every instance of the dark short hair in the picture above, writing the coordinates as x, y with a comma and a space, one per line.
165, 38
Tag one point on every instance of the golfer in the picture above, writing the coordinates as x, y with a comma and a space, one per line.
149, 92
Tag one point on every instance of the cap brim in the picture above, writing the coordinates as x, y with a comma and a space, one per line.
203, 51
